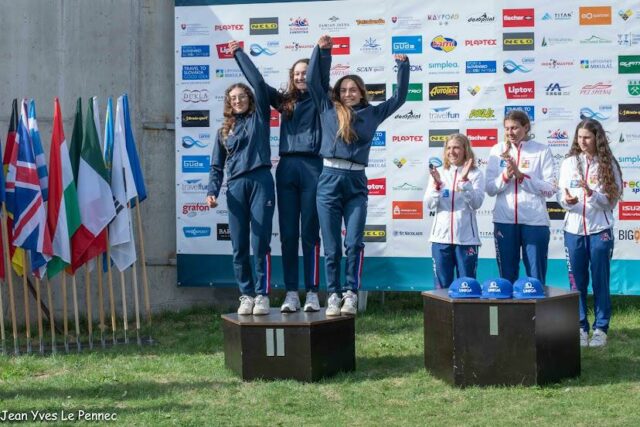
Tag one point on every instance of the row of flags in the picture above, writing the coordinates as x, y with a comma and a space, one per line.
64, 217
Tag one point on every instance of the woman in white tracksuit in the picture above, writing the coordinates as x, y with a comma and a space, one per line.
590, 185
455, 193
520, 174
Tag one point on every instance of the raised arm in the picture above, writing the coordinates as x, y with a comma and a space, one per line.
318, 74
474, 190
255, 79
391, 105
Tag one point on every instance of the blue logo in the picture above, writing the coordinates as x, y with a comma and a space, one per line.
406, 44
195, 72
529, 109
435, 161
256, 50
503, 163
510, 66
379, 139
475, 67
190, 232
588, 113
196, 164
195, 51
445, 193
188, 142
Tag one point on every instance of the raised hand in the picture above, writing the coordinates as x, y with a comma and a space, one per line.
435, 175
234, 45
400, 57
588, 191
568, 198
466, 169
325, 42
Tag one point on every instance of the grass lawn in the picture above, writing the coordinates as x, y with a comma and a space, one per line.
183, 381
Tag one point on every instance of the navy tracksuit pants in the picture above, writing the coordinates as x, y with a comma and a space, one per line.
593, 251
251, 203
342, 194
532, 240
297, 182
447, 258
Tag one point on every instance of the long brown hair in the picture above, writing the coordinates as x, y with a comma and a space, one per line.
229, 116
468, 152
520, 117
344, 112
606, 159
292, 94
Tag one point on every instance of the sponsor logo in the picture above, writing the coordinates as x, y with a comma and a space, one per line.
633, 87
224, 52
193, 186
334, 25
228, 27
443, 115
341, 46
274, 118
557, 16
557, 113
375, 233
625, 15
193, 232
600, 88
595, 40
518, 41
629, 113
188, 30
556, 212
596, 64
227, 73
444, 91
634, 186
407, 210
195, 118
263, 26
377, 163
371, 45
595, 15
628, 39
371, 69
190, 142
410, 115
629, 138
442, 18
298, 25
529, 109
477, 67
378, 21
376, 91
558, 138
443, 44
631, 235
377, 186
603, 112
446, 67
481, 19
408, 233
406, 44
412, 67
196, 164
406, 22
222, 232
629, 211
556, 89
415, 91
554, 63
256, 49
195, 72
482, 114
555, 41
520, 90
628, 64
518, 17
435, 161
407, 138
438, 137
379, 139
195, 96
297, 47
339, 70
194, 51
406, 186
193, 209
482, 137
629, 162
510, 66
481, 42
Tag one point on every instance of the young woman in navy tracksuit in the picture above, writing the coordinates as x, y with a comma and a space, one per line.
297, 178
590, 186
455, 194
520, 174
348, 124
242, 151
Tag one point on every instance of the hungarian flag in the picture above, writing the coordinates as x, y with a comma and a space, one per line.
63, 213
30, 229
94, 198
132, 153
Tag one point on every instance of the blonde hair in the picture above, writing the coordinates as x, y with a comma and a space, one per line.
466, 144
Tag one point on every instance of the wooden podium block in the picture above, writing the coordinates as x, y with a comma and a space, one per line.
502, 342
301, 346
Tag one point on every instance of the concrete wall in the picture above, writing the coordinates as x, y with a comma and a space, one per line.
72, 48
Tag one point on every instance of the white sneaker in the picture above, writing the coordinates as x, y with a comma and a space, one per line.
598, 339
291, 303
246, 305
261, 305
333, 305
584, 338
311, 302
349, 303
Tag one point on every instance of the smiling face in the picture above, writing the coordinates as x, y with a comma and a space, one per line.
350, 94
514, 131
239, 100
455, 152
300, 76
587, 141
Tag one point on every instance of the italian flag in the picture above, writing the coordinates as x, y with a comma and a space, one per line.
63, 214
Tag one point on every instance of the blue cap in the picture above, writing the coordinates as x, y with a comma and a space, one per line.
528, 287
465, 287
497, 288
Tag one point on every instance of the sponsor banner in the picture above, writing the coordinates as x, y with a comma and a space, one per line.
520, 90
518, 18
222, 232
518, 41
595, 15
274, 119
407, 209
196, 164
379, 139
194, 186
375, 233
443, 44
480, 67
629, 113
195, 72
195, 96
629, 64
195, 232
341, 46
482, 137
195, 118
556, 212
444, 91
224, 52
407, 138
376, 92
415, 91
262, 26
629, 211
406, 44
529, 109
443, 115
193, 51
438, 137
377, 186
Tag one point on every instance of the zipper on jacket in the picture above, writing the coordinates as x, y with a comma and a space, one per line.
584, 204
453, 198
515, 182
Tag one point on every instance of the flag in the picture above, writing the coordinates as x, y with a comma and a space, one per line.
76, 141
41, 162
94, 198
10, 158
96, 118
63, 213
30, 229
3, 197
132, 153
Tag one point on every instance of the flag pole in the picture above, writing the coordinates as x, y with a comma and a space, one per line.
87, 282
75, 311
145, 282
52, 323
2, 333
101, 302
112, 301
124, 308
7, 263
136, 303
38, 302
26, 303
65, 317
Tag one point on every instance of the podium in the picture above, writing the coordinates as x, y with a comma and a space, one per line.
502, 341
301, 346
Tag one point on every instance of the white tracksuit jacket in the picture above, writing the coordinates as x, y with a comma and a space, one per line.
455, 203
